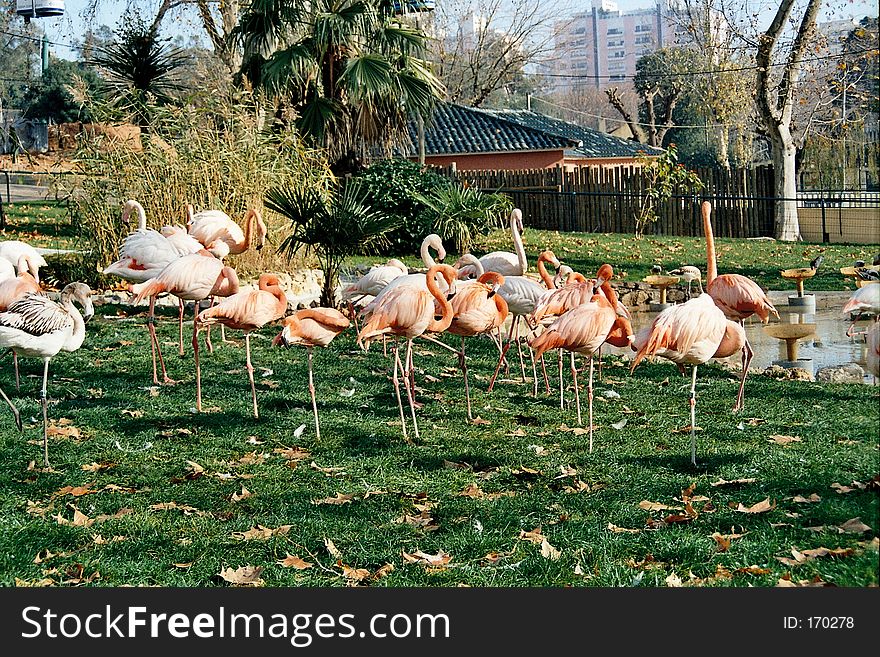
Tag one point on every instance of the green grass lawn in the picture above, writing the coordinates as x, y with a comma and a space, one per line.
170, 497
44, 224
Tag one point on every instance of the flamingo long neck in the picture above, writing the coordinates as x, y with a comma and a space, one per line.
278, 293
426, 254
142, 216
474, 261
542, 270
78, 336
517, 241
711, 265
439, 325
226, 284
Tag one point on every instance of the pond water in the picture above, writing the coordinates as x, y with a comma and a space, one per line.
829, 346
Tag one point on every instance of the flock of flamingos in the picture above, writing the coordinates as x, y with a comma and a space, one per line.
565, 312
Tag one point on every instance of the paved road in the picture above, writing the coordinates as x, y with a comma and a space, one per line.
24, 192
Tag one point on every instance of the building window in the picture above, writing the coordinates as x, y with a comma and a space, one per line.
645, 38
615, 43
617, 54
614, 30
615, 78
580, 30
644, 28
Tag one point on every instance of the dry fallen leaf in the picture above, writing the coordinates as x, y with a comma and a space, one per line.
291, 561
261, 533
437, 560
761, 507
94, 466
243, 576
673, 581
338, 499
382, 571
657, 506
549, 552
783, 440
353, 574
238, 497
800, 499
293, 453
854, 526
479, 420
733, 482
841, 490
332, 549
535, 536
622, 530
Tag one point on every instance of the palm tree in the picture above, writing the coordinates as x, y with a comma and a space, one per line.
140, 68
332, 225
350, 68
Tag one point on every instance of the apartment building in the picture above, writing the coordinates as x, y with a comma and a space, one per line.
600, 46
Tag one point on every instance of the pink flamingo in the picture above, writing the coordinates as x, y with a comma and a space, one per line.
690, 334
477, 309
12, 289
248, 311
505, 262
221, 235
737, 296
191, 277
583, 330
13, 251
409, 311
312, 327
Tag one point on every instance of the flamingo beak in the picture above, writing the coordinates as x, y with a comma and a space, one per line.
280, 340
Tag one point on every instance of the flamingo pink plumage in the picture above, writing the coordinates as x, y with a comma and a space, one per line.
738, 297
221, 235
249, 311
690, 334
191, 277
312, 327
477, 309
409, 311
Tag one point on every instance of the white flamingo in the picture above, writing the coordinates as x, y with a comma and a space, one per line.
13, 250
7, 271
375, 280
505, 262
432, 241
37, 327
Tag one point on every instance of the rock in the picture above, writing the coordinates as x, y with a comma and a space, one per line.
635, 298
674, 295
790, 374
849, 373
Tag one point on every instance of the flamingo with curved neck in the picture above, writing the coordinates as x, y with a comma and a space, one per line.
409, 311
505, 262
432, 241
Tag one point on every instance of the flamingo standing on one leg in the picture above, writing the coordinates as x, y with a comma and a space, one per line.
312, 327
477, 309
583, 330
690, 334
192, 277
873, 339
737, 296
249, 311
12, 289
37, 327
143, 254
409, 311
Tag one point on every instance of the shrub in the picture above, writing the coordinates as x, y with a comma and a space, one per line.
458, 214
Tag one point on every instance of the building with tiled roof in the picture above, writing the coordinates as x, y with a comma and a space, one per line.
516, 139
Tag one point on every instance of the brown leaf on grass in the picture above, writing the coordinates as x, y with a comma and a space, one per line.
183, 566
688, 492
480, 421
800, 499
94, 466
673, 581
330, 472
752, 570
657, 506
337, 500
786, 581
535, 536
66, 430
452, 465
291, 561
842, 490
733, 482
293, 453
523, 471
45, 555
97, 539
423, 521
262, 533
133, 413
550, 552
622, 530
80, 519
186, 508
438, 560
35, 583
724, 540
761, 507
755, 421
77, 491
473, 491
383, 571
577, 431
174, 433
783, 440
352, 574
243, 576
566, 471
517, 433
676, 517
254, 440
854, 526
238, 497
332, 549
577, 486
686, 429
252, 458
808, 555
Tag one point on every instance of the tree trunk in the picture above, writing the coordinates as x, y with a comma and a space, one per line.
786, 226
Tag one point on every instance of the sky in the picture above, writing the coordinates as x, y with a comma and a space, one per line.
71, 26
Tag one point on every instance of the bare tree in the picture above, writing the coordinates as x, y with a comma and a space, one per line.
484, 45
779, 68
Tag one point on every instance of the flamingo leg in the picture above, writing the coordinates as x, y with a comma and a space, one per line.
462, 364
599, 358
693, 403
747, 354
544, 372
44, 402
590, 398
561, 384
409, 392
315, 403
500, 344
411, 375
14, 410
534, 371
195, 344
515, 334
180, 329
497, 368
577, 394
395, 347
208, 343
15, 364
154, 345
250, 371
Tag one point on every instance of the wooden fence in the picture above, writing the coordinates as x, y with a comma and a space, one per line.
606, 200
